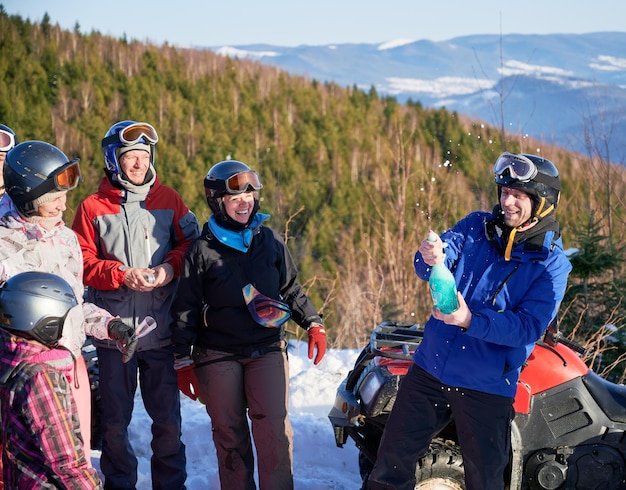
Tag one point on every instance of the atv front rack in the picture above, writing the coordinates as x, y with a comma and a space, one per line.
367, 394
396, 340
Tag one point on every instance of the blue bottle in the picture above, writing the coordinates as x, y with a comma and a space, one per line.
442, 284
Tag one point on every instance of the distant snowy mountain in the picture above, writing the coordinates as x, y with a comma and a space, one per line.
566, 89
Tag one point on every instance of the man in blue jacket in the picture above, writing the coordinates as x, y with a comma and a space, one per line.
511, 273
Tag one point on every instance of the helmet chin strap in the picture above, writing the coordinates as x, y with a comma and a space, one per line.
541, 212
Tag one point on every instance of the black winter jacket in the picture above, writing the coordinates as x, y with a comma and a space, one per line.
212, 278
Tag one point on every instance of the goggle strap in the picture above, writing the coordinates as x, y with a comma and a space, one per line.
111, 139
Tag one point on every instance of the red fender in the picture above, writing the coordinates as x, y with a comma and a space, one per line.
546, 368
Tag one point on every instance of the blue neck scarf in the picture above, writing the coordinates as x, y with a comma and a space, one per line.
240, 239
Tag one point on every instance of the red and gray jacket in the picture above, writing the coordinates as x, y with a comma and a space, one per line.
118, 229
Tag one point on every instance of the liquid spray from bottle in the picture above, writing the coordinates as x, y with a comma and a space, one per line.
442, 284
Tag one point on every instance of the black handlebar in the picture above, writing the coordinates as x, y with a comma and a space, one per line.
554, 337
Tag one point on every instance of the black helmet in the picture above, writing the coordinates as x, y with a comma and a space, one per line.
532, 174
35, 168
7, 138
35, 305
230, 177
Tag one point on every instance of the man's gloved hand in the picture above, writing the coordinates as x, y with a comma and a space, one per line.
125, 337
187, 381
317, 338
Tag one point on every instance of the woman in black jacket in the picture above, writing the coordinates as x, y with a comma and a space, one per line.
237, 289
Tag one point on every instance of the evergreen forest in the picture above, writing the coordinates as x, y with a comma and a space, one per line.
353, 180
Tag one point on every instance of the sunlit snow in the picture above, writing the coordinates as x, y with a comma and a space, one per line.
242, 53
394, 44
439, 87
318, 463
608, 63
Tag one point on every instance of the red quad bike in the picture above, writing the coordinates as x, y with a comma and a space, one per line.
569, 430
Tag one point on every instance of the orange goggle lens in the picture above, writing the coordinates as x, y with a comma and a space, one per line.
68, 177
240, 182
136, 132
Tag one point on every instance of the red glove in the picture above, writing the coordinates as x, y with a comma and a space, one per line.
187, 381
317, 338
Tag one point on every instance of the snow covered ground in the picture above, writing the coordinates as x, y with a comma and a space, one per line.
318, 463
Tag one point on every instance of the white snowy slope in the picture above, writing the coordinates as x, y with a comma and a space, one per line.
318, 463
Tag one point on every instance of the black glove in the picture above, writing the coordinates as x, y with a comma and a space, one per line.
125, 337
181, 352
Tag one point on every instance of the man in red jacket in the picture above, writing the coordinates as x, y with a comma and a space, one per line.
134, 232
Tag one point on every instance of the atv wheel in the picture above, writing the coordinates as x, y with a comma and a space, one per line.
441, 468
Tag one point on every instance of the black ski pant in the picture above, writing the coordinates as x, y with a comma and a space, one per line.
422, 408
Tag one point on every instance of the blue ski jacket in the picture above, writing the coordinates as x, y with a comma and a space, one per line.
512, 303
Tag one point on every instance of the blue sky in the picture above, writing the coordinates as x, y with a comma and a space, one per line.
320, 22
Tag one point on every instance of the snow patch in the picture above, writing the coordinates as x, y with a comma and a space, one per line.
242, 53
394, 44
608, 63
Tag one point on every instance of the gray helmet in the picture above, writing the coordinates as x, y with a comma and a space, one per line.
535, 175
230, 177
35, 305
35, 168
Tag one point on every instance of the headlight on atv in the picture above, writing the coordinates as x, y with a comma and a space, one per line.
370, 387
378, 391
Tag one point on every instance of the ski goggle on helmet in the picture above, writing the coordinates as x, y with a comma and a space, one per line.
519, 167
67, 177
7, 140
134, 133
241, 182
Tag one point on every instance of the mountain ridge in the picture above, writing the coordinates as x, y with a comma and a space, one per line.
564, 89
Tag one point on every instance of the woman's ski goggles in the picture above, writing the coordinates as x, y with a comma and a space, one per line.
266, 311
67, 177
240, 182
7, 140
519, 167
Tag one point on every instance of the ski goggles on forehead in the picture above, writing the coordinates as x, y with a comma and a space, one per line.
68, 176
136, 132
264, 310
519, 167
7, 140
240, 182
